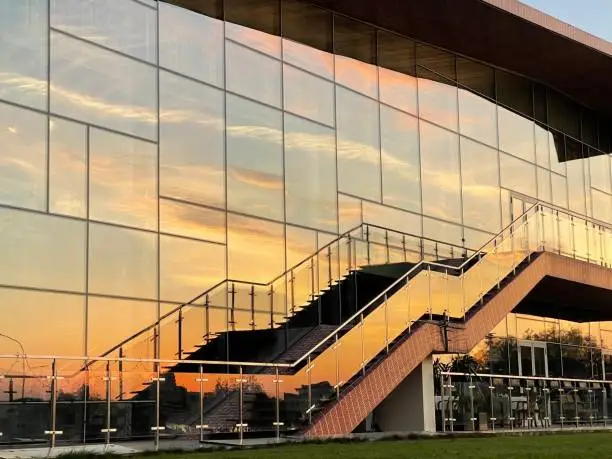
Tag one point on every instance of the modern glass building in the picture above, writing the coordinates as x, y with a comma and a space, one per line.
230, 218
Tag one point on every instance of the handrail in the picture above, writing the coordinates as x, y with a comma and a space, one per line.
296, 266
401, 279
535, 205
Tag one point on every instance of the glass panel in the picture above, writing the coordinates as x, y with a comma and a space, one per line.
602, 206
23, 159
125, 26
67, 168
514, 91
110, 321
252, 74
254, 158
42, 323
102, 87
559, 190
397, 60
358, 145
389, 218
600, 172
254, 16
544, 186
516, 135
477, 118
349, 213
310, 26
576, 186
480, 177
188, 268
23, 60
400, 159
355, 49
437, 99
192, 221
310, 169
42, 251
256, 249
440, 173
191, 44
27, 408
441, 235
542, 147
557, 152
122, 262
476, 76
123, 180
309, 59
518, 175
308, 95
191, 141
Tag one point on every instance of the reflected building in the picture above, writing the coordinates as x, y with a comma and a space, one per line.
280, 197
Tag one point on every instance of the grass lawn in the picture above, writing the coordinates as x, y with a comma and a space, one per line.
583, 446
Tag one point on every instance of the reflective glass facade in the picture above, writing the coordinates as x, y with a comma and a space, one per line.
155, 150
149, 158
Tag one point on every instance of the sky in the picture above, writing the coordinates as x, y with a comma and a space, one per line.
593, 16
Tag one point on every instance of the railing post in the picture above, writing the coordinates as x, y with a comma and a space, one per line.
201, 380
443, 401
207, 317
53, 432
471, 388
312, 278
252, 295
241, 424
493, 418
310, 405
404, 248
362, 344
232, 321
107, 430
337, 359
329, 267
180, 335
349, 253
429, 308
386, 324
121, 373
271, 295
292, 290
367, 238
278, 422
387, 254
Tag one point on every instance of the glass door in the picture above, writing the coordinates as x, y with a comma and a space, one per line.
533, 359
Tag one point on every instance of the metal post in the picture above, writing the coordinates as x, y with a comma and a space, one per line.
349, 254
329, 267
429, 292
367, 238
252, 295
386, 324
180, 334
202, 425
362, 345
107, 430
510, 411
241, 424
492, 404
387, 252
337, 351
53, 432
443, 406
292, 290
271, 295
232, 311
404, 248
471, 387
278, 424
121, 373
310, 405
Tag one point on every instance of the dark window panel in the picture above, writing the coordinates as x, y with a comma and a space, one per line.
589, 128
539, 103
558, 153
307, 24
263, 15
476, 76
573, 149
437, 60
396, 53
212, 8
605, 133
514, 91
563, 114
355, 40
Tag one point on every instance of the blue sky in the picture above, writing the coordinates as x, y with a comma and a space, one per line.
594, 16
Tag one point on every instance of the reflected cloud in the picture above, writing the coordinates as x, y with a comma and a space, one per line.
258, 179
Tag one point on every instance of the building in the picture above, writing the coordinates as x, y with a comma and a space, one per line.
222, 218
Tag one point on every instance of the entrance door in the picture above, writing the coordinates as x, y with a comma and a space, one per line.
533, 359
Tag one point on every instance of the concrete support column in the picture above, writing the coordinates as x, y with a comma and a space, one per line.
411, 406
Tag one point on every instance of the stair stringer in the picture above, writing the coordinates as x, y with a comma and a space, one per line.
346, 414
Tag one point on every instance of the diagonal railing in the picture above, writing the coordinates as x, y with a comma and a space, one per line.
283, 296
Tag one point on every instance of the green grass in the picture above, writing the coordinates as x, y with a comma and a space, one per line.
558, 446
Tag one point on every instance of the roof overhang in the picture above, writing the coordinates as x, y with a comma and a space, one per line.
504, 33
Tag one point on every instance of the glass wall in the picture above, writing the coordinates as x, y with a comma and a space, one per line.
155, 149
